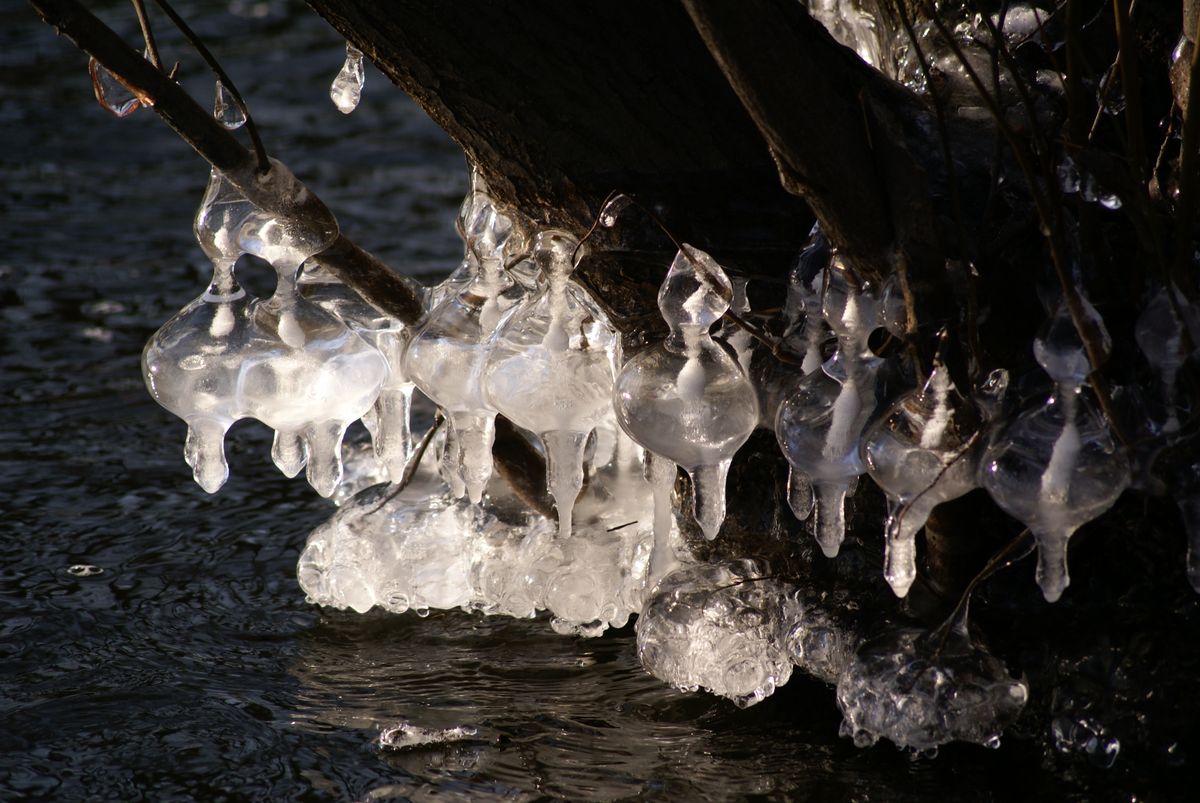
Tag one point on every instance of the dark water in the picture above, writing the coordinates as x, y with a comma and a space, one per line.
191, 667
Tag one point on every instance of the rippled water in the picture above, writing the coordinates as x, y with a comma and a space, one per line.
189, 664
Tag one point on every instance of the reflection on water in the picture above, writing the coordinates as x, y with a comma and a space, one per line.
153, 640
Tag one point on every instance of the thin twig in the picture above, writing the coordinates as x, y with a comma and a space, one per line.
139, 8
414, 461
260, 152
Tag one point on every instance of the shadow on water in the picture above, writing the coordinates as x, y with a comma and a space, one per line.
183, 661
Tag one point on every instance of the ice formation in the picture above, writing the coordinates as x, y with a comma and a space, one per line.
550, 370
281, 360
919, 694
1161, 335
422, 548
1056, 467
226, 109
686, 399
346, 89
111, 94
919, 452
722, 627
446, 355
819, 424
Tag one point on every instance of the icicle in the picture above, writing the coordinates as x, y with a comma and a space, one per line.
1056, 467
916, 453
346, 89
662, 475
226, 110
686, 399
549, 370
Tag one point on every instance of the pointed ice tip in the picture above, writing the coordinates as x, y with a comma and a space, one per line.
900, 586
210, 482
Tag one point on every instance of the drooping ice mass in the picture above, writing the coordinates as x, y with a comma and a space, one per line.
1056, 466
1166, 323
346, 90
550, 369
423, 549
686, 399
919, 453
722, 627
819, 423
903, 688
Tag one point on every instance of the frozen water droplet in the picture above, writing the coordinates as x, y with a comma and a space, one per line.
84, 570
111, 94
346, 89
1059, 349
613, 209
226, 109
686, 399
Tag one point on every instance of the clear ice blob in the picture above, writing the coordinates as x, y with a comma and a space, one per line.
389, 419
920, 453
550, 369
346, 90
111, 94
192, 367
722, 627
819, 424
919, 694
686, 399
1056, 467
445, 360
226, 109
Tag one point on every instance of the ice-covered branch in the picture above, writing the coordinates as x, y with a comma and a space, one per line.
387, 290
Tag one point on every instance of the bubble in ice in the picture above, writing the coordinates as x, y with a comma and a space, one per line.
722, 627
1056, 466
820, 422
346, 89
910, 689
227, 111
919, 452
550, 369
112, 95
686, 399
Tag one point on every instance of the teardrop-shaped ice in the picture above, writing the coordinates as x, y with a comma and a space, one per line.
346, 89
112, 95
226, 109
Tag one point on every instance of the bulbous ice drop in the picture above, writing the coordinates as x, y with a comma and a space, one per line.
445, 360
686, 399
308, 377
388, 420
849, 306
284, 241
219, 219
1055, 468
916, 452
226, 109
550, 372
1059, 349
191, 366
346, 90
818, 427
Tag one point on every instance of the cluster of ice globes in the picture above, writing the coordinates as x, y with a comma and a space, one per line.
511, 333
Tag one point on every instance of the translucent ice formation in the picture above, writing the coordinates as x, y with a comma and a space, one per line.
388, 419
446, 355
192, 364
904, 689
307, 375
722, 627
226, 109
686, 399
1056, 467
111, 94
346, 89
550, 369
422, 549
819, 424
917, 452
